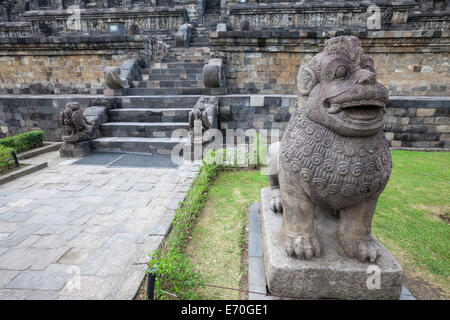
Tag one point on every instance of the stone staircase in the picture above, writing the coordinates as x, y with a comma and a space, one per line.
211, 17
145, 123
158, 104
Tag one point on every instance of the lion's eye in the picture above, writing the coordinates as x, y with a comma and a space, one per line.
341, 72
369, 67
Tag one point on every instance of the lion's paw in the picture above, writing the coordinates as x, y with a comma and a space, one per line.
275, 204
361, 248
302, 247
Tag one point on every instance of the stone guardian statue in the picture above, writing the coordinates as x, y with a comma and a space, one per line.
333, 154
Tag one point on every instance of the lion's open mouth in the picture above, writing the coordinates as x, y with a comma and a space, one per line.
360, 110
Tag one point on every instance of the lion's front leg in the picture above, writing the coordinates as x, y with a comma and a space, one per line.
355, 232
299, 234
272, 167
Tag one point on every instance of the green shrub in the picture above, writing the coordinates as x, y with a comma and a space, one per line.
174, 273
24, 141
6, 159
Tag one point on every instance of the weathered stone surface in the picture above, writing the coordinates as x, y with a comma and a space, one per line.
221, 27
183, 35
214, 74
80, 149
333, 274
340, 112
75, 126
203, 117
112, 78
244, 25
106, 247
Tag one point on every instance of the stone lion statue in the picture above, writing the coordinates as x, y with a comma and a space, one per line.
75, 126
333, 153
205, 114
112, 78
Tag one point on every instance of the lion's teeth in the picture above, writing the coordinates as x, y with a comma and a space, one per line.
334, 108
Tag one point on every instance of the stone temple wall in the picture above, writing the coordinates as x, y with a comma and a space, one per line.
64, 65
21, 113
407, 62
410, 122
54, 22
313, 13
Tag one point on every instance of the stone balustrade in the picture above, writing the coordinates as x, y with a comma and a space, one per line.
97, 20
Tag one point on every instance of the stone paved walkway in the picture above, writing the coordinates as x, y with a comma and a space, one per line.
84, 232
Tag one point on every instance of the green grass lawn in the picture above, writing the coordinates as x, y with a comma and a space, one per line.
410, 215
407, 222
220, 236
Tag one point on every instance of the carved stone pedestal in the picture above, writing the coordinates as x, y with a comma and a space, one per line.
333, 274
80, 149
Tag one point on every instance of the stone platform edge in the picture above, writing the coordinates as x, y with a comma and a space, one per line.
22, 172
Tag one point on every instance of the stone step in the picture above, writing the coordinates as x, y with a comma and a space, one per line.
182, 76
200, 40
141, 129
175, 91
176, 65
159, 102
149, 115
189, 50
168, 84
184, 59
136, 144
201, 33
178, 71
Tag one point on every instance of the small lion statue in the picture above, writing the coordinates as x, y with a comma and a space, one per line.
205, 114
75, 126
333, 153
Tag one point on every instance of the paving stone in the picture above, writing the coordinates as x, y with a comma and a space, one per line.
151, 244
20, 234
50, 256
28, 242
142, 213
105, 220
42, 295
6, 276
50, 242
87, 240
163, 224
39, 280
70, 231
25, 209
83, 286
128, 286
9, 227
106, 290
75, 256
52, 229
105, 210
20, 203
16, 217
63, 297
8, 294
123, 238
118, 257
